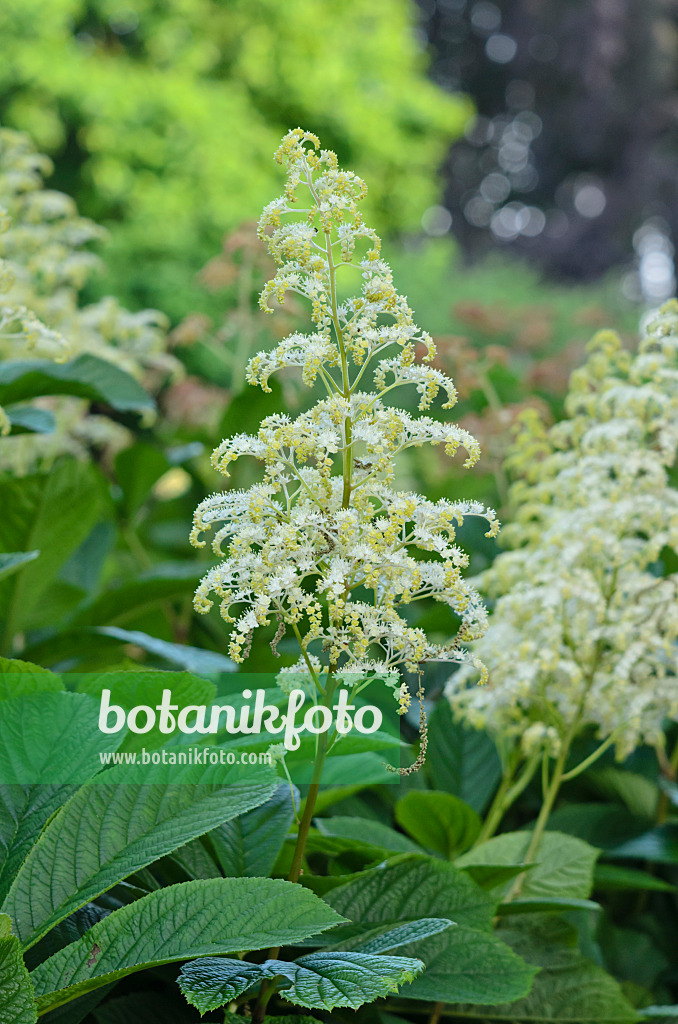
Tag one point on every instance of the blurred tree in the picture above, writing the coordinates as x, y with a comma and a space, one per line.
572, 157
161, 117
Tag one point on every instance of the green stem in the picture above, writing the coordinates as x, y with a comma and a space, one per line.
547, 806
268, 987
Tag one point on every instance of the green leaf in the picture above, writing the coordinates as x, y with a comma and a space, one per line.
14, 560
440, 822
374, 835
194, 919
492, 876
193, 659
108, 830
138, 596
461, 760
19, 677
411, 887
51, 513
611, 877
26, 419
568, 988
46, 736
24, 811
51, 738
318, 981
131, 689
87, 377
564, 865
137, 468
560, 904
385, 938
639, 794
464, 965
249, 844
602, 825
659, 844
652, 1012
17, 1002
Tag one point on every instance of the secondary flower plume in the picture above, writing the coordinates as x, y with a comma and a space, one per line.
326, 546
586, 620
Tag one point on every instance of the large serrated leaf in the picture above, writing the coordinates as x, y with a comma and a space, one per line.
51, 738
411, 887
24, 811
464, 965
194, 919
564, 865
17, 1001
385, 938
467, 959
108, 830
318, 981
87, 377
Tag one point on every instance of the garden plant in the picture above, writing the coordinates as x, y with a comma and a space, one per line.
514, 858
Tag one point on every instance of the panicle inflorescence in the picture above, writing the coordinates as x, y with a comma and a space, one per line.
585, 627
325, 545
44, 264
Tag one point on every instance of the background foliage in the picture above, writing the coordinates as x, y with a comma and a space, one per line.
161, 121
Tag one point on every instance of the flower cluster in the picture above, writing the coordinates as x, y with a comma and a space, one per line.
325, 545
586, 620
44, 264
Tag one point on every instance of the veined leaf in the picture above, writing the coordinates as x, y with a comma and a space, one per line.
384, 938
19, 677
464, 965
466, 962
439, 822
24, 811
51, 738
317, 981
194, 919
86, 376
110, 829
410, 887
17, 1000
249, 844
564, 865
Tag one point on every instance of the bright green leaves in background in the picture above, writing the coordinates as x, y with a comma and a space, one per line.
172, 112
